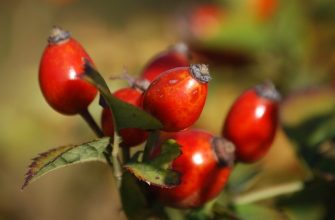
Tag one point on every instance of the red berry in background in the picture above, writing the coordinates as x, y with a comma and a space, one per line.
252, 122
204, 167
60, 66
177, 97
176, 56
130, 136
205, 20
264, 9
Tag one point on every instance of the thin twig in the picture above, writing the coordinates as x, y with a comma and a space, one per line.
126, 154
151, 142
86, 115
116, 163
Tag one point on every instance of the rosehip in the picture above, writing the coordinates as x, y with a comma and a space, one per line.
177, 97
130, 136
177, 56
264, 9
60, 66
204, 167
252, 121
205, 20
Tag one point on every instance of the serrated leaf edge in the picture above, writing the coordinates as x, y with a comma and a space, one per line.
30, 174
139, 177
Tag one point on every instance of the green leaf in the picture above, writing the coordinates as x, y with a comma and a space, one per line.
153, 175
126, 115
169, 151
65, 156
314, 139
157, 171
134, 202
326, 130
256, 212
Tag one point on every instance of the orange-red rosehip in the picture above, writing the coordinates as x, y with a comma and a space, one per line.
176, 98
61, 64
204, 167
252, 122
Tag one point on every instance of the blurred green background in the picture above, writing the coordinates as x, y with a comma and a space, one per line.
294, 47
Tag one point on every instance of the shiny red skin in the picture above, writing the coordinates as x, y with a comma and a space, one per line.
164, 61
176, 99
130, 136
60, 66
251, 125
202, 179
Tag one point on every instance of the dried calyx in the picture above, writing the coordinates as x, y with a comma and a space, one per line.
58, 35
200, 72
224, 151
268, 90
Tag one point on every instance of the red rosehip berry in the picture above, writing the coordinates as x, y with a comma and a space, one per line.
264, 9
60, 66
252, 122
130, 136
176, 56
204, 167
177, 97
205, 20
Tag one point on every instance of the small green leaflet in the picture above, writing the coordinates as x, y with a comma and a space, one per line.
157, 171
126, 115
65, 156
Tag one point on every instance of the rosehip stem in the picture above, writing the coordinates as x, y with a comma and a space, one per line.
116, 163
151, 143
86, 115
126, 154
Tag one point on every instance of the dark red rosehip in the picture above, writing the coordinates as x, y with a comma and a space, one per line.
252, 122
60, 66
176, 56
204, 167
130, 136
177, 97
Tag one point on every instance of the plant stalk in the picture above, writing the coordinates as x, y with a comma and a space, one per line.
116, 163
126, 154
86, 115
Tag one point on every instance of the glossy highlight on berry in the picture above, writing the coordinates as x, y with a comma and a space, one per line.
178, 96
203, 171
252, 122
60, 66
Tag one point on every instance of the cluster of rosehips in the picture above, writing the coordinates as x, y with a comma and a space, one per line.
175, 94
